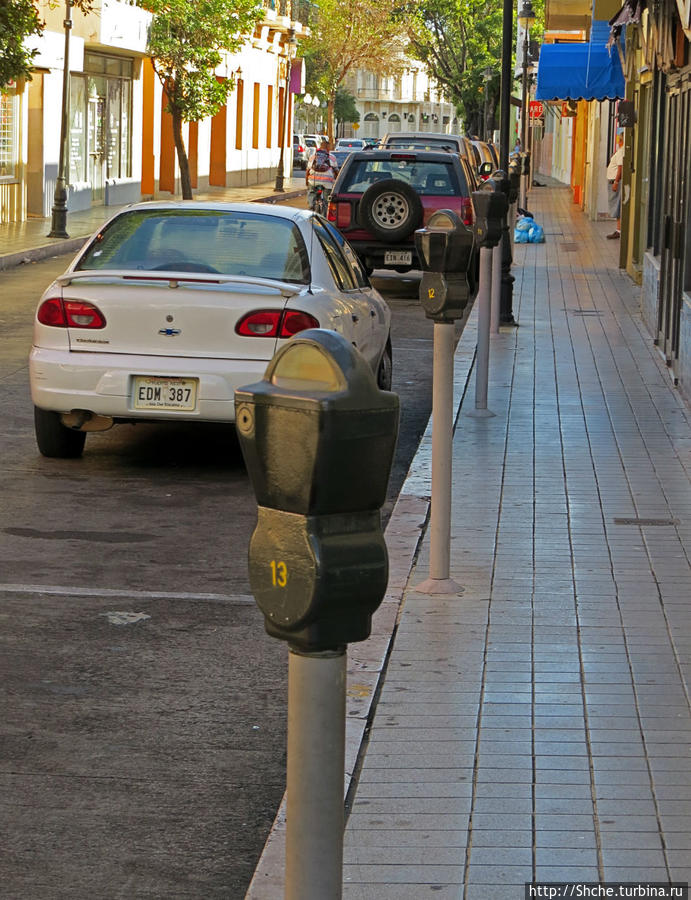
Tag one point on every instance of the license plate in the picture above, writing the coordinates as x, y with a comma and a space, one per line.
152, 392
398, 257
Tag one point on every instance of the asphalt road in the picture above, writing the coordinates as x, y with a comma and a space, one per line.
142, 706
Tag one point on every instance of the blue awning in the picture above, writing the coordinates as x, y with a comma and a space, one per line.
579, 71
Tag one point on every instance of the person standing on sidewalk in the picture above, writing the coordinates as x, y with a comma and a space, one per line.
321, 171
614, 170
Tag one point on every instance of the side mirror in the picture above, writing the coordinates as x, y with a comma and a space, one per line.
485, 169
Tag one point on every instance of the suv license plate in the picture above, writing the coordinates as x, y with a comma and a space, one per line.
398, 258
153, 392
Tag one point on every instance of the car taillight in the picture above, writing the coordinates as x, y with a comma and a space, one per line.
467, 210
301, 148
331, 212
342, 216
282, 323
61, 313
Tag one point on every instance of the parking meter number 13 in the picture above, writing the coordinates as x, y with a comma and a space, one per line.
279, 573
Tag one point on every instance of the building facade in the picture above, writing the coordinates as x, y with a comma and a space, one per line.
119, 140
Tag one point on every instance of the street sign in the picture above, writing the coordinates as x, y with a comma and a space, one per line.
535, 109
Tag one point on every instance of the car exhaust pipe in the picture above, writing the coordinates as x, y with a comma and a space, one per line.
84, 420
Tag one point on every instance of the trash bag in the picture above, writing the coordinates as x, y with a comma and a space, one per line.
522, 229
536, 234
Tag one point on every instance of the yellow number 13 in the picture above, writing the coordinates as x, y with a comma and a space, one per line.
279, 574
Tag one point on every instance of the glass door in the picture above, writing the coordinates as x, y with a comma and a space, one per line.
96, 140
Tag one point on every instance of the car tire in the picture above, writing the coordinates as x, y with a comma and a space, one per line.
54, 439
385, 370
390, 209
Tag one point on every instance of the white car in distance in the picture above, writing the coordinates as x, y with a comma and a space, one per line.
170, 307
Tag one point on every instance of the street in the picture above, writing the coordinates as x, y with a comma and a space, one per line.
143, 706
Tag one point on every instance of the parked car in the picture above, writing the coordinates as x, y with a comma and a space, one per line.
422, 140
350, 144
299, 151
381, 196
171, 306
341, 155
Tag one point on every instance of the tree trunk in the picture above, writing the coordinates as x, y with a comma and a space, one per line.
330, 117
183, 161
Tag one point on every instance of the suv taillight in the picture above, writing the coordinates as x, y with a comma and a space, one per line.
282, 323
60, 313
467, 210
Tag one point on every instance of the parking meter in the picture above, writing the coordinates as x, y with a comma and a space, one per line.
491, 205
318, 438
514, 178
445, 249
525, 159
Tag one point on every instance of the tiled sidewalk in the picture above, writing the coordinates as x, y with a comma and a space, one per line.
26, 241
537, 727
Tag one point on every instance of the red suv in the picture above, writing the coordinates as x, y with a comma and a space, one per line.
381, 196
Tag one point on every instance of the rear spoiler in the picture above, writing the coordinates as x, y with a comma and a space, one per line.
174, 278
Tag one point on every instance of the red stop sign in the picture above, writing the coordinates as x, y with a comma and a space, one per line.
536, 109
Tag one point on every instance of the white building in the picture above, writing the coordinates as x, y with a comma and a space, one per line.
408, 102
119, 135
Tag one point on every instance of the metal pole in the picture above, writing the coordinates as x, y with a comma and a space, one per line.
505, 94
484, 300
278, 187
439, 581
315, 775
496, 288
59, 211
524, 116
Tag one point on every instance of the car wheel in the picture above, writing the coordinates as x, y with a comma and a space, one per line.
54, 439
390, 209
385, 370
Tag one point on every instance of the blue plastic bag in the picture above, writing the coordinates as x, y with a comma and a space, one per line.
522, 230
536, 234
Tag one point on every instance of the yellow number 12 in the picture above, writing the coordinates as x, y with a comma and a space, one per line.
279, 574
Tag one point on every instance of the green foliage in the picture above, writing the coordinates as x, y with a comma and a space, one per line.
187, 40
458, 40
345, 109
18, 20
351, 34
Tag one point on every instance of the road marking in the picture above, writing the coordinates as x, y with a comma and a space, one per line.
109, 592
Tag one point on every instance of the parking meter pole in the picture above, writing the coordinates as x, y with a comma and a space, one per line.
496, 289
442, 438
484, 299
315, 775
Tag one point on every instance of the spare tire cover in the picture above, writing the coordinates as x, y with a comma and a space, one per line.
390, 209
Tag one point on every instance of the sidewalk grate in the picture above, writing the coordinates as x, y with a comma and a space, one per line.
646, 522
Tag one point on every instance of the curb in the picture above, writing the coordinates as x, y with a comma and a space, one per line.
405, 532
59, 246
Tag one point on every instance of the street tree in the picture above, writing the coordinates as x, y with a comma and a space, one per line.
352, 34
345, 108
187, 41
19, 19
459, 40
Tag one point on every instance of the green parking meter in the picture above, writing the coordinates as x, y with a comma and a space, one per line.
318, 438
445, 249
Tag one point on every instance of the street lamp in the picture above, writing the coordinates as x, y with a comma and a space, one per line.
59, 211
487, 76
290, 47
526, 17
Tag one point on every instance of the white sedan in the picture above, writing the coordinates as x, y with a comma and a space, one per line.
170, 307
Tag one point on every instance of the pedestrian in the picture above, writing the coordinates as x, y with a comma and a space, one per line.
614, 170
321, 171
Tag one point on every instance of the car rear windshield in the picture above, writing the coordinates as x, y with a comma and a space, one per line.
428, 177
422, 143
226, 242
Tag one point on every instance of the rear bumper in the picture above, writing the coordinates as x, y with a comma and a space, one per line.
103, 383
373, 254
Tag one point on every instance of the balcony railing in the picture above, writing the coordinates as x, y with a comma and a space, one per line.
304, 11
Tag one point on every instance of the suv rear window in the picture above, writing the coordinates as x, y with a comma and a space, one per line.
429, 178
423, 143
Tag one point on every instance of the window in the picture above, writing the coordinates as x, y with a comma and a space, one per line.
228, 243
427, 177
9, 134
340, 268
355, 264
